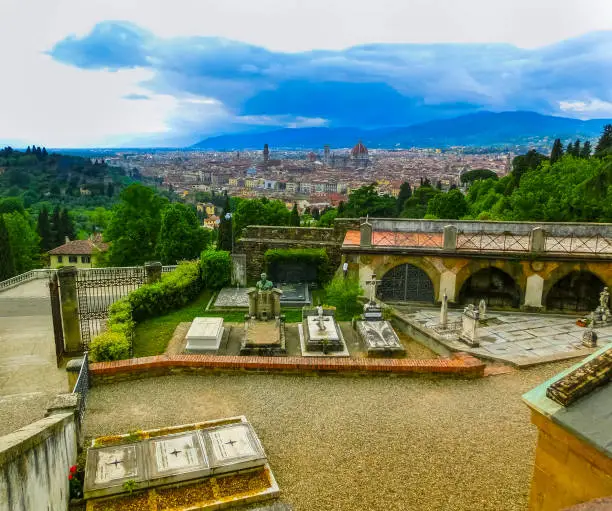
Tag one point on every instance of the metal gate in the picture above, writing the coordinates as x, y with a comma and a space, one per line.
406, 282
56, 315
97, 289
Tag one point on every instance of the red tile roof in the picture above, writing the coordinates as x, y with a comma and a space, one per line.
79, 247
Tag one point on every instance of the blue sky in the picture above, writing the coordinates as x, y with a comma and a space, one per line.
131, 72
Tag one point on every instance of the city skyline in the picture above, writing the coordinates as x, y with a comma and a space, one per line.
147, 75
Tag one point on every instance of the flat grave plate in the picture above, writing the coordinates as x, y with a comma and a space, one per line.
177, 454
379, 335
234, 445
205, 328
107, 468
262, 333
233, 297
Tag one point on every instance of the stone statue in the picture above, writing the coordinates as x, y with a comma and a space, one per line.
264, 284
482, 309
604, 299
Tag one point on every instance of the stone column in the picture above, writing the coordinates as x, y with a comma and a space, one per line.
73, 368
153, 270
365, 230
533, 291
537, 240
70, 308
450, 238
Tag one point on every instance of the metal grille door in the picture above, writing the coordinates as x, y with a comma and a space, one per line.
406, 282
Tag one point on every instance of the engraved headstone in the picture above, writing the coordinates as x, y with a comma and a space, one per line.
469, 326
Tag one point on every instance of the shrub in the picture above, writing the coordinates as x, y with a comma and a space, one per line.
216, 268
310, 256
120, 319
174, 290
342, 293
109, 346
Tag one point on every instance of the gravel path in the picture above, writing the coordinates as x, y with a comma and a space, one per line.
344, 443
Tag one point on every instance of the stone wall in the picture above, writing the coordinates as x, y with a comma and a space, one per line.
34, 464
257, 239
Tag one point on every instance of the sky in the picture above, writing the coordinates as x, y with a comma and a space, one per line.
109, 73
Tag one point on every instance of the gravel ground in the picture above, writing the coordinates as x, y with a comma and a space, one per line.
358, 443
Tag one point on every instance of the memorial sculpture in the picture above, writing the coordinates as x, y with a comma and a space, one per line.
377, 334
482, 310
601, 316
469, 326
264, 326
589, 338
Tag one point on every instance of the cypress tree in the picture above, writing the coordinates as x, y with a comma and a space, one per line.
604, 145
569, 149
67, 225
576, 148
557, 151
341, 208
585, 152
44, 230
405, 192
294, 219
315, 213
57, 231
7, 261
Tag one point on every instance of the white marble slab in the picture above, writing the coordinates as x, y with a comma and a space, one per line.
205, 334
316, 334
114, 464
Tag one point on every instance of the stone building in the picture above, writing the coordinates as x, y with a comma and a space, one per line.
79, 253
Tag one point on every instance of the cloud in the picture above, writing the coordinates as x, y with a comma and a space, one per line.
220, 85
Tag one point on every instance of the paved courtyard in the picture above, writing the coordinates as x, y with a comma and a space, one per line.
521, 339
358, 443
29, 377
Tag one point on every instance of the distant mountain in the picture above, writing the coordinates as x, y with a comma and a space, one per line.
479, 129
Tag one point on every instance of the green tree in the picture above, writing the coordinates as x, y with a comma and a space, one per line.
416, 206
7, 261
585, 152
341, 208
67, 225
557, 151
25, 243
294, 219
569, 150
180, 236
524, 163
576, 149
604, 145
405, 192
276, 213
249, 212
477, 175
44, 230
342, 293
57, 230
134, 226
224, 240
366, 201
448, 206
11, 205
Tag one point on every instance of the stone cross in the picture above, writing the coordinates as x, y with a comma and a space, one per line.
373, 284
444, 311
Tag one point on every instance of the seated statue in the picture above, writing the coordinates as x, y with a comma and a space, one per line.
264, 284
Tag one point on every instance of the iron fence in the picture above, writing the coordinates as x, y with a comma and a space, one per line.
169, 268
578, 244
503, 242
82, 386
416, 239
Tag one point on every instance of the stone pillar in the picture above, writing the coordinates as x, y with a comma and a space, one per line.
73, 368
70, 308
365, 230
153, 270
450, 238
533, 291
448, 281
537, 240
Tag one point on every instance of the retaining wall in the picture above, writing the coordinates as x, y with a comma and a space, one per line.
34, 464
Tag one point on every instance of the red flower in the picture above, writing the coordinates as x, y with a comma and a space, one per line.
69, 476
73, 469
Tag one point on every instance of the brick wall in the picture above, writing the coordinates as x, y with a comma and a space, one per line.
461, 365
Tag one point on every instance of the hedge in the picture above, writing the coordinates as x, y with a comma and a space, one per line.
174, 290
311, 256
216, 268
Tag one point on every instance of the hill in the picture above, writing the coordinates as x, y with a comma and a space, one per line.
479, 129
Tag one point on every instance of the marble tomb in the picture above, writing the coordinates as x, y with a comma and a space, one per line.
205, 334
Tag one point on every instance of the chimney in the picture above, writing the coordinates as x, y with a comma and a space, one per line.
67, 239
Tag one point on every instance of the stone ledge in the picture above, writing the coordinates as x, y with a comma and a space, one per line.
462, 365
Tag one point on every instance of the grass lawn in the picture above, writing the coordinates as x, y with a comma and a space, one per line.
153, 335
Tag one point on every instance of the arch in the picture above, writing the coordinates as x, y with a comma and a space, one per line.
497, 287
564, 269
406, 282
576, 291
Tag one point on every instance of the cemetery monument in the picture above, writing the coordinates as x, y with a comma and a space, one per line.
320, 334
377, 334
264, 326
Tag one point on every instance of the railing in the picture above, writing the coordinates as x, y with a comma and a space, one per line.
578, 244
82, 386
407, 239
503, 242
168, 269
26, 277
